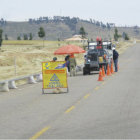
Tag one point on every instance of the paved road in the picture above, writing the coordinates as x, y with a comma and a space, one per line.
91, 109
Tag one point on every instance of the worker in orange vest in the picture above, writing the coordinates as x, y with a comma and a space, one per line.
72, 65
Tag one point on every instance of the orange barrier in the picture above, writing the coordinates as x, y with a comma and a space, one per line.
100, 76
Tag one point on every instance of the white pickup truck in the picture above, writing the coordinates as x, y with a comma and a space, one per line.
93, 55
107, 46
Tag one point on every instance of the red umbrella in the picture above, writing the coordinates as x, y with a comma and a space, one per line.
69, 49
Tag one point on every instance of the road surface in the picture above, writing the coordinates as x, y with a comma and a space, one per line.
91, 110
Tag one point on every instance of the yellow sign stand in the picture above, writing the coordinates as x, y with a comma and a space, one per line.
54, 75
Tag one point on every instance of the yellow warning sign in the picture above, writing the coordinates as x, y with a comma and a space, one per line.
100, 59
54, 75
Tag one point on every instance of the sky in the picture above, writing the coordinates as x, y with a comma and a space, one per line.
120, 12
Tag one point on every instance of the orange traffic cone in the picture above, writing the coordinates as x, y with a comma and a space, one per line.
100, 76
103, 71
108, 70
112, 70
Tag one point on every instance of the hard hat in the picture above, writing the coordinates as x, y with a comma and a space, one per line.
98, 39
72, 55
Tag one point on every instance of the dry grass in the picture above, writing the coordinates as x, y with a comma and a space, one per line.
122, 46
29, 56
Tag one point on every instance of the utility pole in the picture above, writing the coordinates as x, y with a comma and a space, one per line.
15, 65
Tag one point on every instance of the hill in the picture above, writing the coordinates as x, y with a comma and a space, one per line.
64, 27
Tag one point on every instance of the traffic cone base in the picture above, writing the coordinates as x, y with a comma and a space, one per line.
100, 76
103, 71
108, 70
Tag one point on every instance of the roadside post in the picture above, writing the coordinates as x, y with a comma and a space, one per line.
15, 66
54, 75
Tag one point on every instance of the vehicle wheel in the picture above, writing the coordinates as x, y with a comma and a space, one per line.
84, 71
89, 72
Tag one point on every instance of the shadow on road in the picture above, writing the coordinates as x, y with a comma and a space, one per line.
81, 74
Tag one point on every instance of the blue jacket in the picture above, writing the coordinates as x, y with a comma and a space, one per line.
115, 55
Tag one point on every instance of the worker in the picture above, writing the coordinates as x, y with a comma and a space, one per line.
67, 62
99, 43
115, 58
85, 57
72, 65
54, 59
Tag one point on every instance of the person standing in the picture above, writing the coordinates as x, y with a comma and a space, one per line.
67, 62
115, 59
72, 65
54, 59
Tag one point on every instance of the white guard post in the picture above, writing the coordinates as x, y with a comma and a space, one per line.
31, 80
39, 77
4, 87
12, 85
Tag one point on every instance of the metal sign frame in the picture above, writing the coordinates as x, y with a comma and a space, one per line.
54, 75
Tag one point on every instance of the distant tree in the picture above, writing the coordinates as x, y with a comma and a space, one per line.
25, 37
97, 23
136, 31
90, 20
125, 36
108, 26
6, 37
93, 21
102, 25
116, 35
71, 22
30, 36
1, 31
46, 19
30, 21
136, 27
2, 22
18, 38
41, 34
91, 39
82, 32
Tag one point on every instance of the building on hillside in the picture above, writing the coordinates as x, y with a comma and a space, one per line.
77, 38
112, 25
